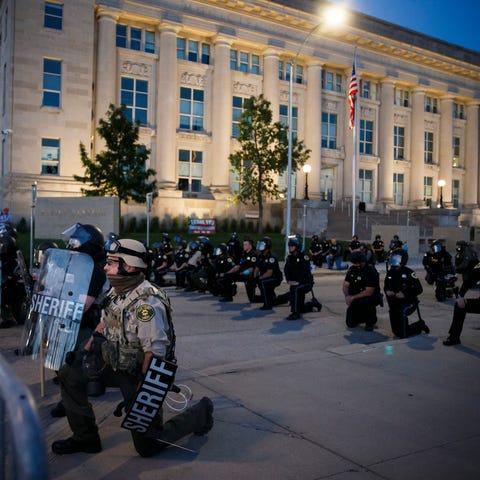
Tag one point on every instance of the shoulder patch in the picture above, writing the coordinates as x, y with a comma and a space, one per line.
307, 257
414, 275
144, 313
253, 259
271, 260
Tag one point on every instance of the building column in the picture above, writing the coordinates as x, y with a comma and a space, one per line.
271, 83
417, 147
471, 156
166, 113
313, 128
385, 150
106, 90
221, 116
446, 148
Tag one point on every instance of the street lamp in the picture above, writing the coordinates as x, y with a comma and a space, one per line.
333, 16
441, 184
306, 170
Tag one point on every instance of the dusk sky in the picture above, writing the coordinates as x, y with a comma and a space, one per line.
456, 21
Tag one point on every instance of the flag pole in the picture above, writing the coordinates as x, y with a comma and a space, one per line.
352, 95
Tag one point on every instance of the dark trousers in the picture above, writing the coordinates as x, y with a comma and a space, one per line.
297, 297
267, 290
459, 314
250, 284
399, 309
81, 418
181, 277
362, 310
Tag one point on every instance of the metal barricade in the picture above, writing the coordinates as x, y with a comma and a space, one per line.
23, 455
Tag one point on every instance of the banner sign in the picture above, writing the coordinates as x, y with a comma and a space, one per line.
202, 226
150, 396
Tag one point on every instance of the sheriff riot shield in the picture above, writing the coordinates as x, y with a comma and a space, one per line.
58, 301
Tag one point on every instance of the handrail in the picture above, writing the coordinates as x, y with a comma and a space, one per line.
20, 431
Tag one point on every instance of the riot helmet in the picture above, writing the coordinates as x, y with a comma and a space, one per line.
264, 244
315, 238
436, 246
193, 246
7, 244
294, 241
358, 257
85, 238
132, 252
220, 249
8, 230
398, 258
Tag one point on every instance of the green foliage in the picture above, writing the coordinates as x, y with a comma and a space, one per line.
155, 224
120, 169
263, 155
22, 226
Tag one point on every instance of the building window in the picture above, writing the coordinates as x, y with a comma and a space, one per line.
401, 98
284, 118
190, 170
459, 111
329, 130
52, 82
244, 62
431, 104
368, 89
135, 38
53, 16
428, 190
332, 81
134, 95
456, 193
191, 109
428, 148
398, 143
284, 72
237, 110
50, 156
456, 152
366, 185
398, 187
366, 137
193, 51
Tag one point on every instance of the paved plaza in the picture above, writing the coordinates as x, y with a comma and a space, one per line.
306, 399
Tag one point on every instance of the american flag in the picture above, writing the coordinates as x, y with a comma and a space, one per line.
352, 92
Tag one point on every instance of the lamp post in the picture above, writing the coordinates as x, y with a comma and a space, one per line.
333, 15
306, 170
32, 220
441, 184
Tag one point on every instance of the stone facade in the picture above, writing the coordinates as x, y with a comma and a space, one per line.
415, 91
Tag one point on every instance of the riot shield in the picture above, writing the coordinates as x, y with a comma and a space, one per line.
57, 306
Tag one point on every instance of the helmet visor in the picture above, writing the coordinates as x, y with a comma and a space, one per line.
395, 260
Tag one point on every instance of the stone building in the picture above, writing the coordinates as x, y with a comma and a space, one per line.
184, 68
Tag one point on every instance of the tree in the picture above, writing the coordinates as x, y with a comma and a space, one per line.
263, 155
120, 169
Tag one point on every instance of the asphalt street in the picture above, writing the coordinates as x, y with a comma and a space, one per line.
306, 399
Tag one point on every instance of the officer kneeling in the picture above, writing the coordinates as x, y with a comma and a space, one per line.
402, 288
136, 332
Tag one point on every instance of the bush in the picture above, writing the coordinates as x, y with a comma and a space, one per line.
131, 225
22, 226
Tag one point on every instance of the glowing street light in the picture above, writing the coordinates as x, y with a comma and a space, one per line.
306, 170
441, 184
334, 15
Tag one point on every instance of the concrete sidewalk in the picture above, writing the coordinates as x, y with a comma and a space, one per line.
305, 399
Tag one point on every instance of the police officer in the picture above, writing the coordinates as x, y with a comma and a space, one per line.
402, 288
378, 248
86, 238
335, 255
222, 263
471, 276
234, 247
243, 271
267, 273
298, 276
136, 325
361, 288
438, 263
8, 259
354, 245
315, 250
180, 264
